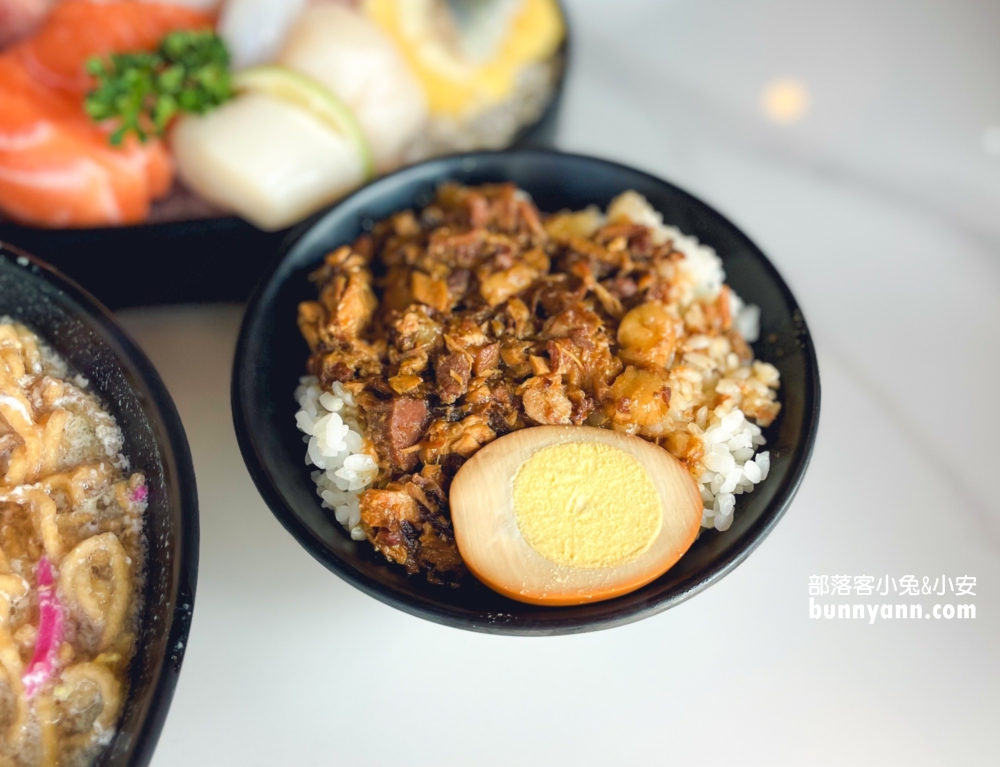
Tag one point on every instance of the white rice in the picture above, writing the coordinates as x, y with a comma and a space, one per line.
701, 264
336, 448
732, 467
733, 462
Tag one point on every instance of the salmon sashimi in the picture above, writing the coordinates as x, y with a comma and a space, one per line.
19, 17
57, 167
78, 29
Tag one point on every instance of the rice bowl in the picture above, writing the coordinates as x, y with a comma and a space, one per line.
270, 353
636, 331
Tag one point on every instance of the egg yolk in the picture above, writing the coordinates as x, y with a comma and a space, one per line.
584, 504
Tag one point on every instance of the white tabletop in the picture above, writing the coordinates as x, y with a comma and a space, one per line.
879, 207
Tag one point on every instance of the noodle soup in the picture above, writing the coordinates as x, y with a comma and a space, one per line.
71, 558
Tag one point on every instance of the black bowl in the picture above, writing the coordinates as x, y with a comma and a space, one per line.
86, 335
202, 259
271, 356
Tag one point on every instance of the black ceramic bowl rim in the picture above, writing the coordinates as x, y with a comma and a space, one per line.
135, 748
246, 369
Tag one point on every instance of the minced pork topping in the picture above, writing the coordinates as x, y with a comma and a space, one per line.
445, 328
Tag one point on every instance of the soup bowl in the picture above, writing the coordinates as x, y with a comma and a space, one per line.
86, 335
271, 356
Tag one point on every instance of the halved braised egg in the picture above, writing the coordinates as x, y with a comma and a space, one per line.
561, 515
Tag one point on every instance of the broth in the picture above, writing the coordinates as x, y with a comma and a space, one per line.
71, 560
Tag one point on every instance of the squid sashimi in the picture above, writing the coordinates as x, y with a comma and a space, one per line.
338, 105
348, 54
268, 158
57, 167
254, 30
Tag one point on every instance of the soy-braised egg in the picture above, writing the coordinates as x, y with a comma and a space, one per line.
561, 515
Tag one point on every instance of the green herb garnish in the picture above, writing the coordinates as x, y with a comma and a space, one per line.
143, 92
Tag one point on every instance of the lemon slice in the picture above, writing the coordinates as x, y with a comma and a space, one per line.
296, 88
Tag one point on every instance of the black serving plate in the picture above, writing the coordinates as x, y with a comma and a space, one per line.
271, 356
86, 335
198, 260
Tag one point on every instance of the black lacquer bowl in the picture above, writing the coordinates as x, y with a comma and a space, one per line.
200, 259
86, 335
271, 356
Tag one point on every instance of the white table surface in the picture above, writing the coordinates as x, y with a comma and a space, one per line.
880, 208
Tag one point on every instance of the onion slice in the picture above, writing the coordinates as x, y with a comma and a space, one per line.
50, 631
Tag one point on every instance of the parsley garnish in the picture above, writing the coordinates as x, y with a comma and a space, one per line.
143, 92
